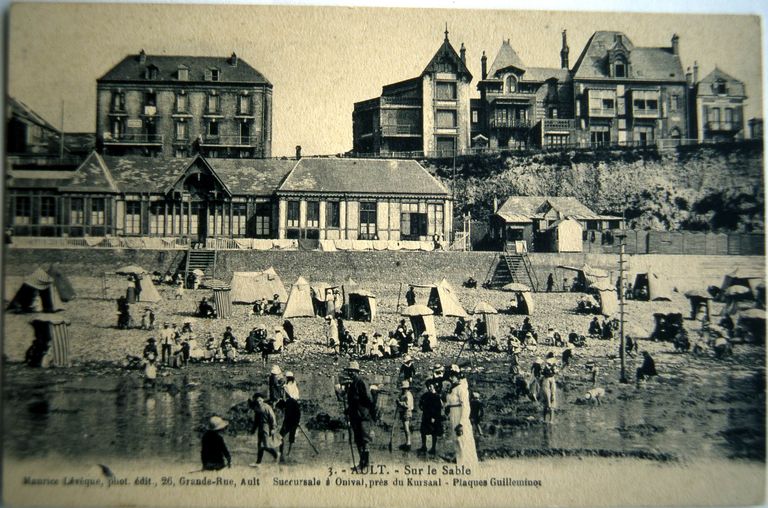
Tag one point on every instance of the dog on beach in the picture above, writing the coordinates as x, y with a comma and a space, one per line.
594, 396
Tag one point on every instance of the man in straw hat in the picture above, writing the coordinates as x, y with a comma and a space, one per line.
360, 411
407, 369
214, 453
292, 412
405, 412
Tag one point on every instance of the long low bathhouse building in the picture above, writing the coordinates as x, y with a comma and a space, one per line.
196, 200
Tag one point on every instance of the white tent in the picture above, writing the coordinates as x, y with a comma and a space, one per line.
300, 300
249, 287
148, 291
443, 300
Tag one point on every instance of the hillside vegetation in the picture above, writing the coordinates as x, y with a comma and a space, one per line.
703, 188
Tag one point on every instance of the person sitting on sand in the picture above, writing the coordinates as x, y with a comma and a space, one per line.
213, 452
595, 330
647, 369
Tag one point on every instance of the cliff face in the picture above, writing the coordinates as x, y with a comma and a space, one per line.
703, 188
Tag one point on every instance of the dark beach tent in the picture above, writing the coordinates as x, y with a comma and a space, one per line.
649, 286
66, 291
490, 316
37, 285
442, 299
362, 305
700, 301
523, 298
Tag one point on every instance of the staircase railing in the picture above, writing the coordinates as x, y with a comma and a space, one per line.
530, 271
492, 269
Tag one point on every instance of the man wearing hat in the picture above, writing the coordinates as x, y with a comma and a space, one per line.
292, 412
276, 384
431, 415
167, 338
405, 412
407, 369
360, 411
264, 423
276, 306
214, 453
151, 347
438, 377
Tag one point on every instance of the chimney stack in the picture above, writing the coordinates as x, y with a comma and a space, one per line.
142, 57
695, 72
675, 45
298, 152
564, 53
484, 65
233, 59
689, 77
463, 54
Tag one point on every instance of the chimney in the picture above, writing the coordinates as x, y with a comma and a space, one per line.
142, 57
233, 59
463, 53
695, 72
675, 45
688, 76
484, 65
298, 152
564, 53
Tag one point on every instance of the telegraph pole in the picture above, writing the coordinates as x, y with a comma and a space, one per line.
623, 283
61, 134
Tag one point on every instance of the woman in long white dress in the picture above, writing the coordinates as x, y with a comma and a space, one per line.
457, 401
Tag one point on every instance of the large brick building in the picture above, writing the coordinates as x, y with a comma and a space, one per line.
426, 114
176, 106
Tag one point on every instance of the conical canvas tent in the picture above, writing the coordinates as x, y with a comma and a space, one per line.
443, 301
649, 286
362, 305
66, 291
585, 276
523, 298
491, 317
222, 297
37, 285
148, 291
250, 287
422, 320
299, 301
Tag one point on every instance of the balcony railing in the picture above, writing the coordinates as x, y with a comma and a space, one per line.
558, 124
229, 140
133, 139
400, 101
645, 113
723, 126
509, 123
401, 130
602, 112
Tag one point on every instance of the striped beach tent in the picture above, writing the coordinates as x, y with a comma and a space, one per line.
51, 342
222, 297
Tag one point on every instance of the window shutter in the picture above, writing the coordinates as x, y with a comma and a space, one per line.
208, 75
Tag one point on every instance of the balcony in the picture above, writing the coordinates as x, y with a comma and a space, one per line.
602, 112
400, 102
117, 111
133, 139
645, 113
401, 130
509, 123
558, 125
229, 140
723, 126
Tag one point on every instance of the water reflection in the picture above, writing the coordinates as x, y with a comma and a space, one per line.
116, 416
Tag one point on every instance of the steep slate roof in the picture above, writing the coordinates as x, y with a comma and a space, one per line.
446, 50
361, 176
145, 174
131, 69
255, 177
735, 87
526, 208
506, 57
646, 63
92, 175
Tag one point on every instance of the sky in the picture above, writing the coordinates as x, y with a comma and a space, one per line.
321, 60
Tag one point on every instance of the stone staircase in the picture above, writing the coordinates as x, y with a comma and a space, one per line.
200, 259
513, 268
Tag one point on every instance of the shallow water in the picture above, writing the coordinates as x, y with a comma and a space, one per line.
112, 416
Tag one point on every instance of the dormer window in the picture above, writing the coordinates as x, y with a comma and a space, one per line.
720, 88
620, 69
183, 73
152, 72
511, 85
212, 75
